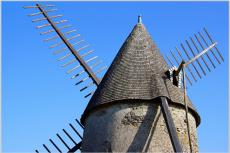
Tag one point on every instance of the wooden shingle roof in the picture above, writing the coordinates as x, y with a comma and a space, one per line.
137, 73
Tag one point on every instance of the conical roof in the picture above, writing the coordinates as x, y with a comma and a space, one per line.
137, 73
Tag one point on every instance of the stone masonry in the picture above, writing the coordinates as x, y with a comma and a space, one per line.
136, 127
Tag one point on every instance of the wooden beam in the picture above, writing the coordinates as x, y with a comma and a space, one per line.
170, 125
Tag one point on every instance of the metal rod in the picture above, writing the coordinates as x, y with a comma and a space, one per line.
55, 16
27, 7
75, 148
82, 48
213, 42
75, 131
56, 36
74, 52
40, 19
170, 125
98, 71
190, 59
75, 36
89, 94
73, 69
187, 66
179, 64
82, 80
55, 145
89, 85
63, 141
49, 5
46, 25
69, 136
169, 61
47, 32
101, 69
51, 38
66, 26
77, 74
201, 56
203, 49
50, 10
58, 22
87, 53
59, 43
186, 111
78, 42
91, 59
94, 65
46, 148
208, 45
70, 62
79, 123
194, 56
63, 57
68, 32
55, 45
33, 14
60, 50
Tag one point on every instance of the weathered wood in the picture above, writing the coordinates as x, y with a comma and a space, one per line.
70, 47
170, 125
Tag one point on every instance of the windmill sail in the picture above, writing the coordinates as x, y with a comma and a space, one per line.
198, 54
70, 45
79, 50
67, 142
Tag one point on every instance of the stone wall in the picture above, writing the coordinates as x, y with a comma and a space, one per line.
135, 127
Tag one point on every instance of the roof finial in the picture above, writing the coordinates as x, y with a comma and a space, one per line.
139, 18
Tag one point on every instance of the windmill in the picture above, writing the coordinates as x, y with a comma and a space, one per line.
173, 74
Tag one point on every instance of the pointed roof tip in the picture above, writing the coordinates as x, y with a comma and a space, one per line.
139, 19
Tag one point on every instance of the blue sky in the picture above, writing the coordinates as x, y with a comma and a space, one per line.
39, 99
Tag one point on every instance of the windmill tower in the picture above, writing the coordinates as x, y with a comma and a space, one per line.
124, 114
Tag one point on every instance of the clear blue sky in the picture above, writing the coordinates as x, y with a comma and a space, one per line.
39, 99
